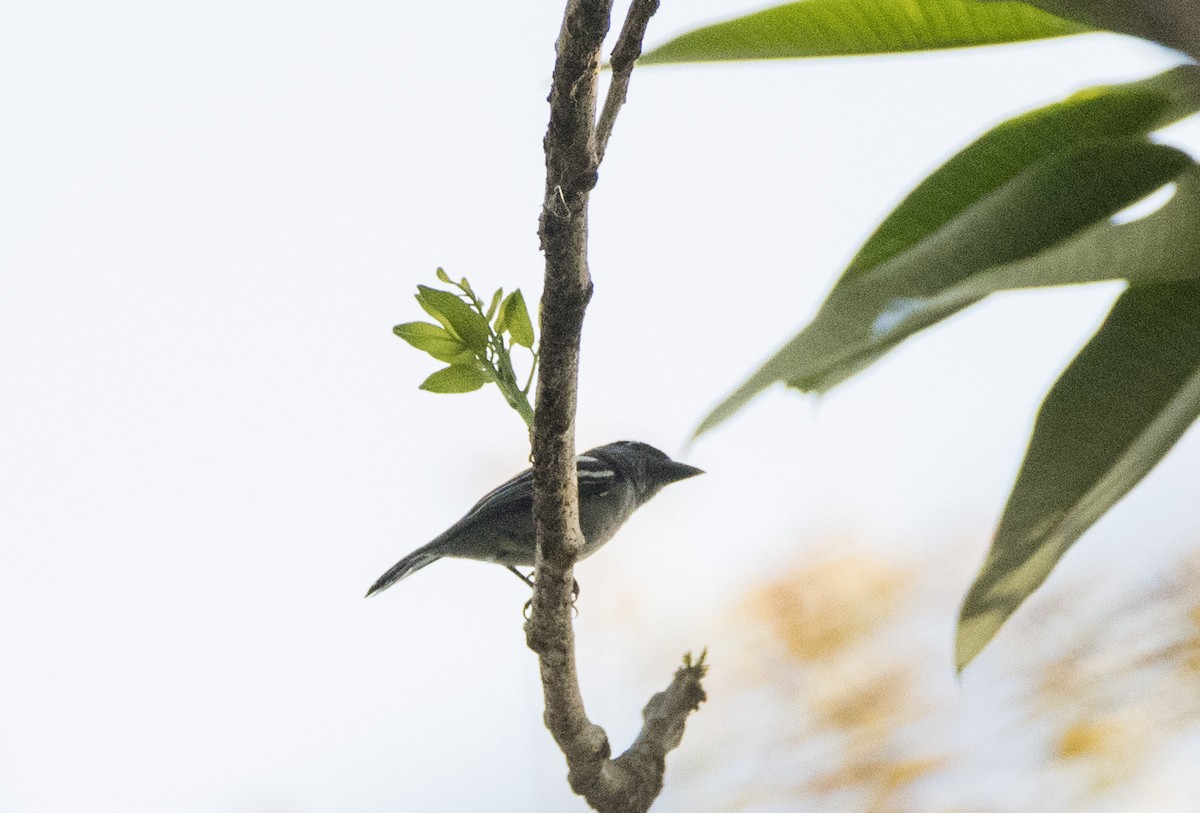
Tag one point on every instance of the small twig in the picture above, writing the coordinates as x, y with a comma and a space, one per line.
663, 720
624, 55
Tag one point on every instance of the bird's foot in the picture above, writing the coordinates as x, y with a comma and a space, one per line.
527, 609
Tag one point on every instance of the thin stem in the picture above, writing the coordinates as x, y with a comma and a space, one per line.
506, 380
532, 370
500, 364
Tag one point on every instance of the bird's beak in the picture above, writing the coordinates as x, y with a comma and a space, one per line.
669, 471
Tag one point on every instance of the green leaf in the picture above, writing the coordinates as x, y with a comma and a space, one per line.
443, 276
457, 378
434, 340
516, 319
456, 316
1021, 232
1028, 204
1112, 415
848, 27
513, 309
1098, 113
491, 311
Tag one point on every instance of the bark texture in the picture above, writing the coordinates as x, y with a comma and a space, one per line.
573, 149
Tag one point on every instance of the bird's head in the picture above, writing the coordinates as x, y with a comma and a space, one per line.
648, 468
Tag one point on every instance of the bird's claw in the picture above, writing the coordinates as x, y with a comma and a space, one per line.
527, 610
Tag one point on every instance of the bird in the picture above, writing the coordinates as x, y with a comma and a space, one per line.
614, 481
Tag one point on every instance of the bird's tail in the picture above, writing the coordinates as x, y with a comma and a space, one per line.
409, 564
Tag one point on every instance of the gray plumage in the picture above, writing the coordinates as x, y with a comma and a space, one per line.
614, 480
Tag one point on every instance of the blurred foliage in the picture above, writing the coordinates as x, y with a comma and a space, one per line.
1050, 197
833, 697
1115, 412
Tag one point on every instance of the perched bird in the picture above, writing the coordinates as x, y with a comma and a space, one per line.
614, 481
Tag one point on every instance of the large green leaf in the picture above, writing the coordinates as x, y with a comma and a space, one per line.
1028, 204
1111, 111
848, 27
1112, 415
1175, 23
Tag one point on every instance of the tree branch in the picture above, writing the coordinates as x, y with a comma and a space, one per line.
570, 175
624, 56
631, 782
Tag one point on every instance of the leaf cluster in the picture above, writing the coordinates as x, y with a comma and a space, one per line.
475, 341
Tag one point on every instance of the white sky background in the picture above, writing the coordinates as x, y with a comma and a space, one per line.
211, 215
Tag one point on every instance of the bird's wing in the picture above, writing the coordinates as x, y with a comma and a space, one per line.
508, 497
595, 479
